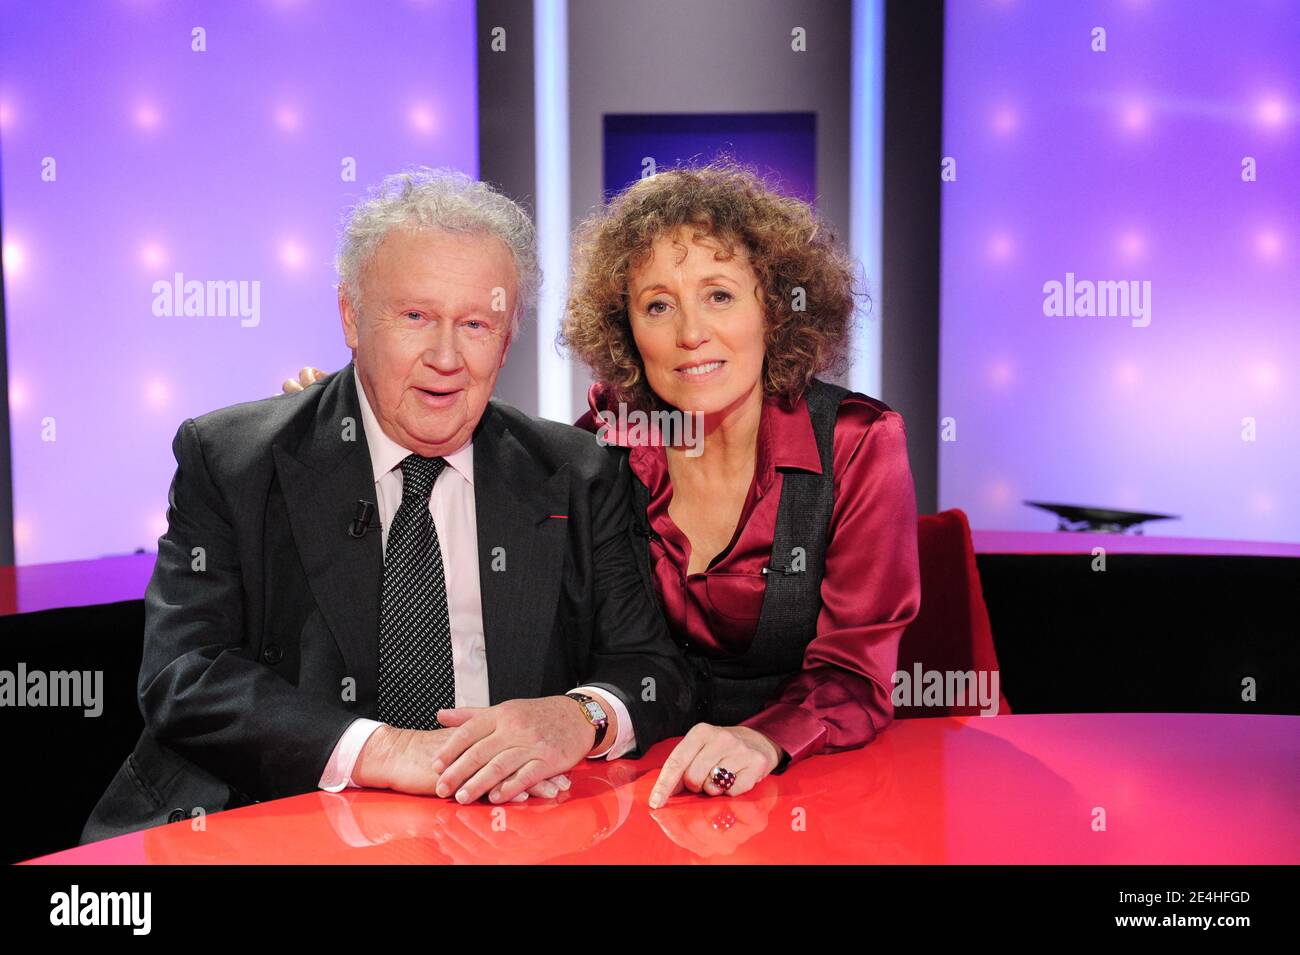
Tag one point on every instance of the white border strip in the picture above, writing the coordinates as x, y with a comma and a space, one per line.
551, 117
866, 182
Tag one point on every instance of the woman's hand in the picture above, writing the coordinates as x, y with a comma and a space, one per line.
741, 750
306, 378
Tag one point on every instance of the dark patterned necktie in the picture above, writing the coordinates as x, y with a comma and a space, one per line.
416, 677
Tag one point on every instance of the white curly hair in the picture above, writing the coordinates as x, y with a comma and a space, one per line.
441, 199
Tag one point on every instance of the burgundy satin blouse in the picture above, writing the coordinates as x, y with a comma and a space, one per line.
870, 591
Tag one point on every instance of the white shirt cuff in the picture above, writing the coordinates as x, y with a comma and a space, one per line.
338, 771
626, 738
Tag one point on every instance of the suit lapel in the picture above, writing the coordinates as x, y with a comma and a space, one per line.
522, 513
322, 479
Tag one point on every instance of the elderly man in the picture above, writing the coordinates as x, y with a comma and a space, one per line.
344, 566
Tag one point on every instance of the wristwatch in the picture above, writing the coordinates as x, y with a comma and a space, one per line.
595, 714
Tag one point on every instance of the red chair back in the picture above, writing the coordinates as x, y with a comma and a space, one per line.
951, 631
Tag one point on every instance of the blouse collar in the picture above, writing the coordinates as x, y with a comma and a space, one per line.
785, 433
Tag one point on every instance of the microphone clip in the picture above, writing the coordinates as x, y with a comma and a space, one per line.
363, 519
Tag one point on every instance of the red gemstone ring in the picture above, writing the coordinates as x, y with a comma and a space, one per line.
724, 779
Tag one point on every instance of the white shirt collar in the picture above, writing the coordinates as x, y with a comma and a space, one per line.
386, 454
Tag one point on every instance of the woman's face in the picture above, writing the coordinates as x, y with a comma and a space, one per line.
698, 323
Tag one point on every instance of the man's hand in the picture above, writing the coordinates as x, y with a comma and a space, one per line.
502, 750
399, 759
402, 760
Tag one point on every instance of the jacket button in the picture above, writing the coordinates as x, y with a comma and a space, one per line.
272, 654
176, 815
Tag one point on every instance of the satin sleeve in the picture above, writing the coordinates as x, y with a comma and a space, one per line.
871, 591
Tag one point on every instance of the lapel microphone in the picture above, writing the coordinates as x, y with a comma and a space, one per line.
362, 519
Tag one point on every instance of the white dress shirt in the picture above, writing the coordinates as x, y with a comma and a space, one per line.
451, 503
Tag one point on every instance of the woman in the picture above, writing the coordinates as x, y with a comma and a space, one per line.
783, 553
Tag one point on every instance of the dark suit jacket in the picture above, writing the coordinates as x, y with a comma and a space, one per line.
262, 616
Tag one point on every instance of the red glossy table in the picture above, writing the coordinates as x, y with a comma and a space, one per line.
1169, 788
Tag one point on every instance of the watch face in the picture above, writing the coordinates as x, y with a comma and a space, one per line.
594, 712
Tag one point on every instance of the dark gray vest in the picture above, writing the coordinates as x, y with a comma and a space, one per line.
732, 689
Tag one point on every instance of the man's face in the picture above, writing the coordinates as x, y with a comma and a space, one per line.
434, 329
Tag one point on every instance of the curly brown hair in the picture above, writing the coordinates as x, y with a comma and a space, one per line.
789, 248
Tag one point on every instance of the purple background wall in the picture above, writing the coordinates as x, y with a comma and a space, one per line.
781, 147
1123, 165
226, 165
223, 165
